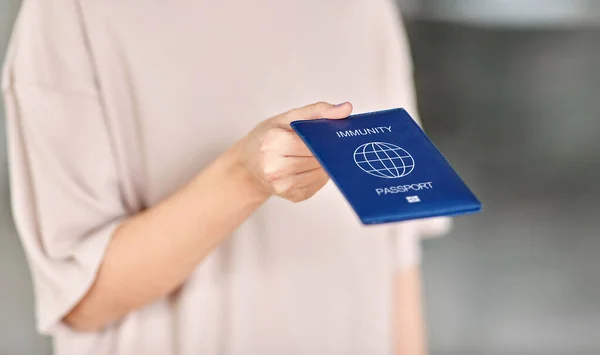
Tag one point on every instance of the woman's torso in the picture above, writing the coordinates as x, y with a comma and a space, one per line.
181, 81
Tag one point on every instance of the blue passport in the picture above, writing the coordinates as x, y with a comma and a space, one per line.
386, 167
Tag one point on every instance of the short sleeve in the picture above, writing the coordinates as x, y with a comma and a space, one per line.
64, 185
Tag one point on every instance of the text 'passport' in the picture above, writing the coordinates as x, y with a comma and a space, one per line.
386, 167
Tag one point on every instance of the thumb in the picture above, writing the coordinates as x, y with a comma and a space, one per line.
317, 110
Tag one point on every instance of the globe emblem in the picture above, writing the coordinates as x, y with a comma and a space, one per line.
384, 160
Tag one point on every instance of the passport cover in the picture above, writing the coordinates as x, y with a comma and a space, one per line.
386, 167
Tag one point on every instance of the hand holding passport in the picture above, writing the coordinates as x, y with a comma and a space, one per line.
386, 167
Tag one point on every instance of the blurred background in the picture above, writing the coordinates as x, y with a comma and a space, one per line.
509, 91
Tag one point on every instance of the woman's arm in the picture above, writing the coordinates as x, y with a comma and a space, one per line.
409, 324
152, 254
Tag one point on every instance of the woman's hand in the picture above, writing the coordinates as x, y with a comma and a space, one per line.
279, 160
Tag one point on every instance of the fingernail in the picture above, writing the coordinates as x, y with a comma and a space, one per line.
342, 104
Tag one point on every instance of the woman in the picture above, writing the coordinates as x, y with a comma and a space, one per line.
152, 191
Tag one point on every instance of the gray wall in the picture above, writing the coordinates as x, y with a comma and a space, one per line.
17, 333
516, 112
507, 13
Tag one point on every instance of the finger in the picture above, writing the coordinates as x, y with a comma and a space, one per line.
283, 166
302, 193
279, 167
309, 178
285, 143
317, 110
299, 165
296, 181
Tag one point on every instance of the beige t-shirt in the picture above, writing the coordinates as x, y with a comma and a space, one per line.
114, 104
